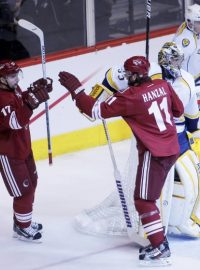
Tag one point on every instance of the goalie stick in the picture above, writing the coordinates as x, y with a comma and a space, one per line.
131, 233
39, 33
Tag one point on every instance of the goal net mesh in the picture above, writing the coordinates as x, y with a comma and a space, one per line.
107, 218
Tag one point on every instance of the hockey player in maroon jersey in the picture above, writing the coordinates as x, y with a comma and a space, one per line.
17, 165
148, 107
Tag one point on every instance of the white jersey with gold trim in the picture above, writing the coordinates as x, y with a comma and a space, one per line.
115, 80
190, 44
184, 87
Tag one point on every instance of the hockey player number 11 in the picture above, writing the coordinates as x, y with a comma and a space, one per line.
156, 109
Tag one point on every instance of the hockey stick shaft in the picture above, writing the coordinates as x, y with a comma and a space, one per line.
148, 17
39, 33
46, 103
133, 235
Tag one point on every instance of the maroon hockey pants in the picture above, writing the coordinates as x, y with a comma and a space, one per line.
20, 178
151, 175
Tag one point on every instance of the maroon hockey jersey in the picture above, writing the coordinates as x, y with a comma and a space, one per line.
148, 109
15, 139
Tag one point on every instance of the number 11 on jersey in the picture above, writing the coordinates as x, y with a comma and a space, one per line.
156, 109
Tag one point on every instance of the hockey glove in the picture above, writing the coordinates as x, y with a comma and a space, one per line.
70, 82
30, 99
35, 95
44, 83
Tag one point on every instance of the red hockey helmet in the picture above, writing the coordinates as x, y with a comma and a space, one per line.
137, 64
8, 67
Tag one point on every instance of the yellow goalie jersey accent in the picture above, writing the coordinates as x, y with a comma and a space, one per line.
155, 71
182, 27
98, 89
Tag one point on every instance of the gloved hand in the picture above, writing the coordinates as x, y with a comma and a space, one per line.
35, 95
70, 82
44, 83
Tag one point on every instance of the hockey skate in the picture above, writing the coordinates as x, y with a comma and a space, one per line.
31, 233
142, 250
159, 256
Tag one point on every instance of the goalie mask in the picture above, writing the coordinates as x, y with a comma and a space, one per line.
170, 58
9, 71
192, 17
136, 65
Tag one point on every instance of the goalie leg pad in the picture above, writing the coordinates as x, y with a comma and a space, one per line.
195, 145
195, 216
185, 201
165, 200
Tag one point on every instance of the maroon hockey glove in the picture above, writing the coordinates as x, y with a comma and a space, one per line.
30, 99
44, 83
41, 94
70, 82
35, 95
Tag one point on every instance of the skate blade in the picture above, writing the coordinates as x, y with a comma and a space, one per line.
158, 262
15, 235
22, 238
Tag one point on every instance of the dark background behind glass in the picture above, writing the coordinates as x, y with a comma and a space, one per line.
64, 23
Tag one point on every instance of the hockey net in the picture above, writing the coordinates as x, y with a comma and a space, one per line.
107, 218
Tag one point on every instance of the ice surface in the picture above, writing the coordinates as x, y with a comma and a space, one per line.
74, 182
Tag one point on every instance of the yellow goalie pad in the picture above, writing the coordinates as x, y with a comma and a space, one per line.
194, 143
196, 146
185, 213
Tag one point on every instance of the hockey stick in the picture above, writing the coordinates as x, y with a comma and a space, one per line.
39, 33
148, 17
163, 204
131, 233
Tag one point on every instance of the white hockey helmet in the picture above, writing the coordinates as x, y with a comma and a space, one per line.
192, 15
171, 57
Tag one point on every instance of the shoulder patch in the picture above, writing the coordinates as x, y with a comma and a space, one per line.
185, 42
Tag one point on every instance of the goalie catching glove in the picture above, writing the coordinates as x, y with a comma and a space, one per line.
37, 93
70, 82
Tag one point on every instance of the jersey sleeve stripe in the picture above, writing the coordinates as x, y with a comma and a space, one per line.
13, 122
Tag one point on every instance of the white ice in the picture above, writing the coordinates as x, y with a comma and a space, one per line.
75, 182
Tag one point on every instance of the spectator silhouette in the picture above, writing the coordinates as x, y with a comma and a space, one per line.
10, 47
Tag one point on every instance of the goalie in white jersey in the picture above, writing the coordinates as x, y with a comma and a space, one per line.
185, 214
188, 38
